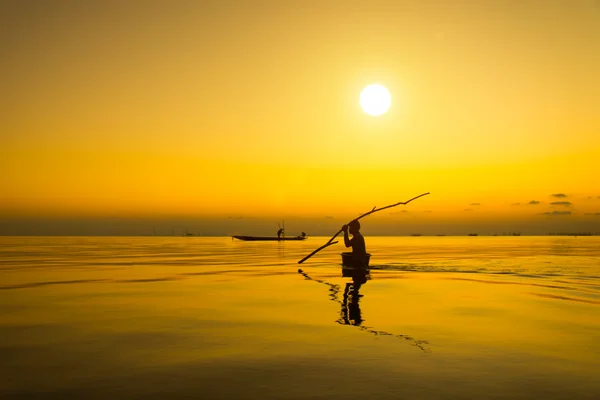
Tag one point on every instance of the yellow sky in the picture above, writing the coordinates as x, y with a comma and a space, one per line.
250, 108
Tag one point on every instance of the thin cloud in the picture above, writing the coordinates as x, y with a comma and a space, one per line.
534, 202
398, 212
559, 195
594, 214
328, 217
555, 213
468, 209
475, 204
561, 203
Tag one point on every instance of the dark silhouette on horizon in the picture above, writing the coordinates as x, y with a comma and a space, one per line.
270, 238
280, 236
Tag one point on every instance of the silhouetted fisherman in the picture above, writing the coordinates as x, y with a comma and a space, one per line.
279, 233
359, 253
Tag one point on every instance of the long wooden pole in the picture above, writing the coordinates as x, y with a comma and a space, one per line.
374, 210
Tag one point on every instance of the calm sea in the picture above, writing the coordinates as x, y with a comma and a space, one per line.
212, 317
539, 258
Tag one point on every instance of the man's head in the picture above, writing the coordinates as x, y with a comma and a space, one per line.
354, 227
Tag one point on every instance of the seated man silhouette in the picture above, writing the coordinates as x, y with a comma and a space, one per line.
359, 253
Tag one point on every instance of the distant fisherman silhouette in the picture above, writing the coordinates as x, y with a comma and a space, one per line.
279, 233
359, 253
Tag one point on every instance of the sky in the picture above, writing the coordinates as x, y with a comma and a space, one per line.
223, 117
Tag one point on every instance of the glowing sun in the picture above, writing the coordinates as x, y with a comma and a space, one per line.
375, 100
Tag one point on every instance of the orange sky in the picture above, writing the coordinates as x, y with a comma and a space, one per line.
208, 110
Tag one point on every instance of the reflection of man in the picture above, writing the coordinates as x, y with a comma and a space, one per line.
350, 313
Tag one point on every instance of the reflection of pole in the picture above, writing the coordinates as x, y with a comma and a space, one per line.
354, 314
374, 210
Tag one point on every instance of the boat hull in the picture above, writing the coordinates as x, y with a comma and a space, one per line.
268, 238
347, 260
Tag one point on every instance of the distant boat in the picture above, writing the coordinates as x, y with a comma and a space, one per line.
472, 234
269, 238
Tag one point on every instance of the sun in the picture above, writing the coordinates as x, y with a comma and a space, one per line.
375, 100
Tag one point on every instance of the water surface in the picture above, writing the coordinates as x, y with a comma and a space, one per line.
453, 317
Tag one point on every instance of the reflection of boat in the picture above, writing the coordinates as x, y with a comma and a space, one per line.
269, 238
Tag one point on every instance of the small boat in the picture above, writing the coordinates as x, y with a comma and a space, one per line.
269, 238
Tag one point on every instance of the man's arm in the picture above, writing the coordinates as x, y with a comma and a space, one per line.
346, 238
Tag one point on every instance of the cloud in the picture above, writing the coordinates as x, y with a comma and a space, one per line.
475, 204
398, 212
468, 209
595, 214
559, 195
562, 203
534, 202
328, 217
557, 213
